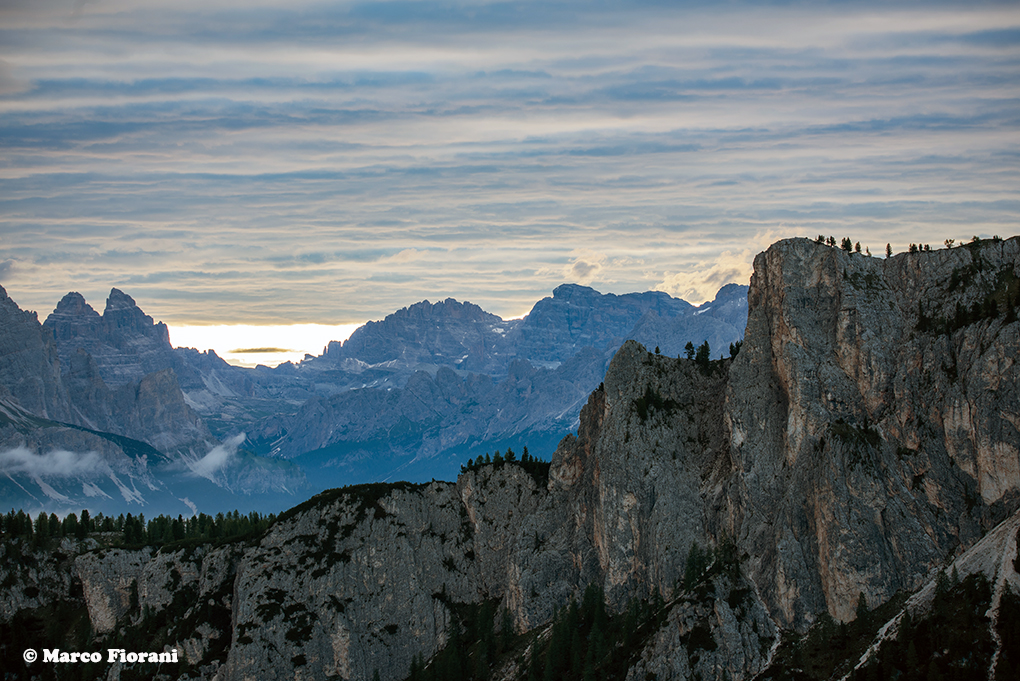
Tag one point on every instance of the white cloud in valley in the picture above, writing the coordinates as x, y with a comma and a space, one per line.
58, 463
217, 459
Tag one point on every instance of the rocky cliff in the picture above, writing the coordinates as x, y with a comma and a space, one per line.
864, 436
125, 342
63, 381
29, 368
872, 414
68, 439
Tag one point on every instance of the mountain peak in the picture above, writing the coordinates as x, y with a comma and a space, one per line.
119, 300
449, 308
572, 290
74, 304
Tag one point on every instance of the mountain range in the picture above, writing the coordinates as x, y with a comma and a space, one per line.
409, 397
840, 500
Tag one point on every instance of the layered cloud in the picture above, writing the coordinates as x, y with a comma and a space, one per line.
267, 163
56, 463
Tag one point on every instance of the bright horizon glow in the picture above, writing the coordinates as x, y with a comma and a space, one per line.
284, 343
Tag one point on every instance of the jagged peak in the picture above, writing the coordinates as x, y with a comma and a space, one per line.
450, 307
119, 300
75, 304
571, 290
585, 295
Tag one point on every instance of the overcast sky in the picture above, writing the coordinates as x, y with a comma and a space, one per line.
247, 161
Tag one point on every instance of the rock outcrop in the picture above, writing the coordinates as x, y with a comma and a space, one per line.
873, 418
29, 368
63, 381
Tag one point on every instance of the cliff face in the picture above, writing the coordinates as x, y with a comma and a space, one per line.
62, 381
865, 433
867, 428
873, 418
125, 342
29, 370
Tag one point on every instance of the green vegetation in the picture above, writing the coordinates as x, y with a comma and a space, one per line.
830, 649
653, 401
1008, 666
536, 468
846, 244
998, 298
585, 643
63, 623
702, 356
858, 437
473, 645
135, 532
951, 641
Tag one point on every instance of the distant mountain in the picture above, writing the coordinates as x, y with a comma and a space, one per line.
447, 333
577, 317
436, 383
411, 396
69, 439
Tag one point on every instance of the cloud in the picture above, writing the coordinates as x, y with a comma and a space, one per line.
259, 163
218, 458
11, 84
584, 266
701, 280
57, 463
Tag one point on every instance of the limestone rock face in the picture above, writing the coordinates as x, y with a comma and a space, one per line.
33, 577
873, 426
725, 634
154, 410
125, 342
358, 583
108, 578
63, 381
29, 368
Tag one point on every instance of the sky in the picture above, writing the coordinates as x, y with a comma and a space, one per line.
265, 163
